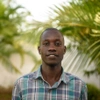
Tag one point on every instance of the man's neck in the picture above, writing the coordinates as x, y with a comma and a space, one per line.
51, 74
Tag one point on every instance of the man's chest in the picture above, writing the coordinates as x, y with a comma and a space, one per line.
44, 92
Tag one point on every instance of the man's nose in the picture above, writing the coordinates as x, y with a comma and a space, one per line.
52, 47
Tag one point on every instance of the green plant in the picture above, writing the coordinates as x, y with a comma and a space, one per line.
16, 34
93, 92
81, 25
5, 93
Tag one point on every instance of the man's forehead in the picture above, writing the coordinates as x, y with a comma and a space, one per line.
51, 33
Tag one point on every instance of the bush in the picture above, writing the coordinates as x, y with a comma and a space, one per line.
5, 93
93, 92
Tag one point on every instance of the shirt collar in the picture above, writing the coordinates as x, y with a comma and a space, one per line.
38, 73
65, 77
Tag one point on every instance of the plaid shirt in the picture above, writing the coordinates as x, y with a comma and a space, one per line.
34, 87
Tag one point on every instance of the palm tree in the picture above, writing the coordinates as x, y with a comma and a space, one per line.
13, 33
79, 21
81, 25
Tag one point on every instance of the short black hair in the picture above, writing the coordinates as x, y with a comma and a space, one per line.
50, 29
47, 29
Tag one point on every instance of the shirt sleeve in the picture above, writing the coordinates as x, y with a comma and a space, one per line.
16, 95
84, 95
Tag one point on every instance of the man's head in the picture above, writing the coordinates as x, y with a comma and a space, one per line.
51, 47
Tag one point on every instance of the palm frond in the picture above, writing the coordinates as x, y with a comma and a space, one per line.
80, 25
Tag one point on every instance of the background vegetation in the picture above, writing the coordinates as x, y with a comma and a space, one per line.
81, 25
13, 33
5, 93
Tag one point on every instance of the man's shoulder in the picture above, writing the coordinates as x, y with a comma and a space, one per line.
72, 77
27, 77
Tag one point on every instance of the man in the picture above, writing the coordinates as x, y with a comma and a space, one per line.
50, 82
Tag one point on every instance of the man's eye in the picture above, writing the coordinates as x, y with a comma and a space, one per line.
46, 43
57, 43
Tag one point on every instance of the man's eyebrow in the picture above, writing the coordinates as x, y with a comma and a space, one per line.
53, 40
45, 39
58, 40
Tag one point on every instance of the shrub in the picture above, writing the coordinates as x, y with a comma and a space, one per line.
5, 93
93, 92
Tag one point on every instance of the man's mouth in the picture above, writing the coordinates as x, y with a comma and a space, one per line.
52, 55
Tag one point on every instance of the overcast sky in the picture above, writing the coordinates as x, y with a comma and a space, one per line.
39, 8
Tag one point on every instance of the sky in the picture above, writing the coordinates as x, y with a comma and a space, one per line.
40, 8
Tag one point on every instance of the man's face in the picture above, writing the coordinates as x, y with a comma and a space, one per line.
52, 47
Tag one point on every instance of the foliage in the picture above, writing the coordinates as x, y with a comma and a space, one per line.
93, 92
81, 25
15, 33
5, 93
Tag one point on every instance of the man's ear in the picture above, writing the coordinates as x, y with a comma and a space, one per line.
39, 50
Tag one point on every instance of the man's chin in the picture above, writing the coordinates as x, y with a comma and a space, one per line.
52, 65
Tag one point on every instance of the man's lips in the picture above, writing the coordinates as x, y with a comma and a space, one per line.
52, 55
